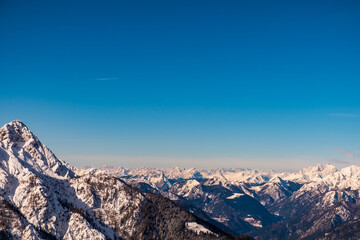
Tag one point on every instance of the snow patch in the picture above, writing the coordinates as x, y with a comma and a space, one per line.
235, 195
195, 227
221, 219
252, 221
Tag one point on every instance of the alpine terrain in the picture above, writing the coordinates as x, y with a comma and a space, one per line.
318, 202
41, 197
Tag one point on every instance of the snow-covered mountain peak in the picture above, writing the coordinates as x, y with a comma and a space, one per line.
279, 180
318, 170
16, 131
351, 171
329, 168
22, 152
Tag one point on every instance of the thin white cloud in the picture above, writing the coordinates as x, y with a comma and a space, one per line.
106, 79
347, 153
345, 115
350, 155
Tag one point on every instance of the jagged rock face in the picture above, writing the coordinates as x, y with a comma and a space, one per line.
42, 198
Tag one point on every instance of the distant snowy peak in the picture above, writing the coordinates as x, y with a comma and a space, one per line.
318, 168
310, 174
278, 180
178, 173
255, 178
350, 171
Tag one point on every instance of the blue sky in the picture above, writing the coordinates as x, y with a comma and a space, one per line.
207, 84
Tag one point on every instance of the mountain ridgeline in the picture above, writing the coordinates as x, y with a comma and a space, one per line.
42, 197
318, 202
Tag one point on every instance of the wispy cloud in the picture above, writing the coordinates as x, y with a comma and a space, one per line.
106, 79
347, 153
345, 115
340, 161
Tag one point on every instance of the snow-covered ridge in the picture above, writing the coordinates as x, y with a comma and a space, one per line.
42, 198
329, 174
265, 186
211, 190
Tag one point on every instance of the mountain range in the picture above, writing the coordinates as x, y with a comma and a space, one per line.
314, 203
42, 197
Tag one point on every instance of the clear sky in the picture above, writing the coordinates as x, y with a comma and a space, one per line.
206, 84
